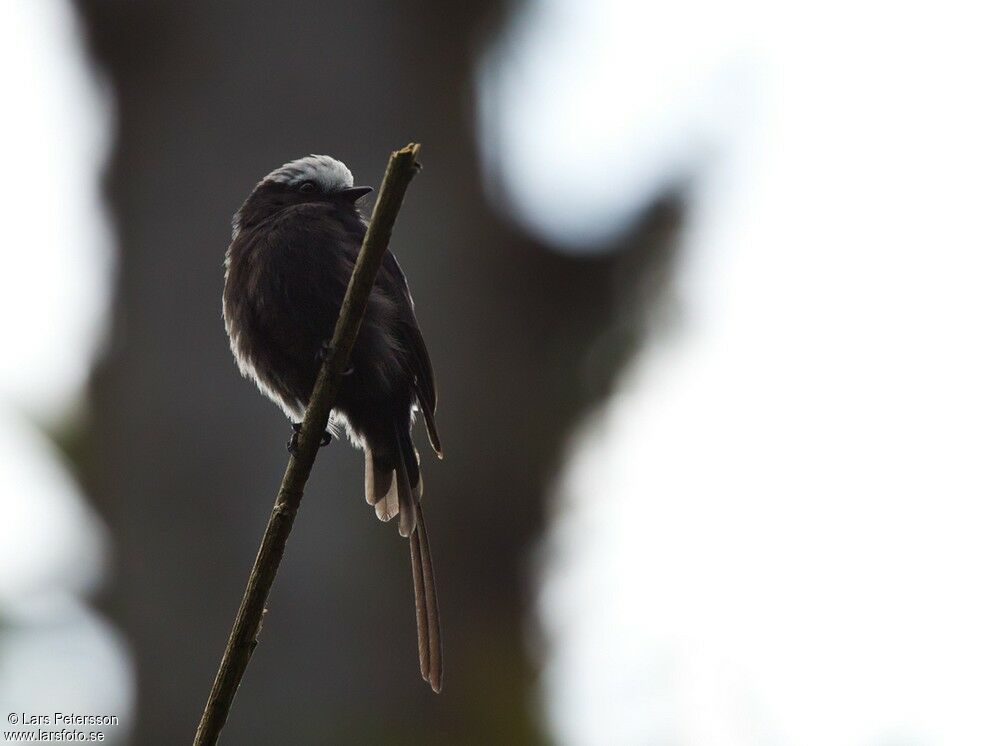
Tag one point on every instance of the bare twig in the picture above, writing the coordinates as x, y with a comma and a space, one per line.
402, 167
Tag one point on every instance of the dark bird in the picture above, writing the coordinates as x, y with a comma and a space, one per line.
295, 242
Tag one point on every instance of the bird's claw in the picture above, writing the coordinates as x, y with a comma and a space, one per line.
293, 442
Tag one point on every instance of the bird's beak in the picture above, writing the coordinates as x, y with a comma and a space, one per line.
355, 193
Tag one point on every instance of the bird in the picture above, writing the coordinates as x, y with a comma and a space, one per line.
295, 241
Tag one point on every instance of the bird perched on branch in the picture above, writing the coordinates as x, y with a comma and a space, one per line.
295, 242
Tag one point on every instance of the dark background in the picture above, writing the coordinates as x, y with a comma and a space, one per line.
182, 458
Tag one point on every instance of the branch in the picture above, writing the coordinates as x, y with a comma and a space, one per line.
402, 167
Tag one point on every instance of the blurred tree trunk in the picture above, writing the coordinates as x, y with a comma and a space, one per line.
210, 96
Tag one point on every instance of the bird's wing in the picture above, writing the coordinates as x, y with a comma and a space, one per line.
416, 351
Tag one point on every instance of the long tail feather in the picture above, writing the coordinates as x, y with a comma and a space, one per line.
425, 594
420, 597
393, 485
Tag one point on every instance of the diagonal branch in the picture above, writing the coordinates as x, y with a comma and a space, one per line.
402, 167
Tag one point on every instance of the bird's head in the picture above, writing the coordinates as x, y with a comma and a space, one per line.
313, 179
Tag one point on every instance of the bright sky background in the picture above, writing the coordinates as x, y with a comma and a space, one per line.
783, 526
58, 654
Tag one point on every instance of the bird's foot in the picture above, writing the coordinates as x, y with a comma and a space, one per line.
293, 442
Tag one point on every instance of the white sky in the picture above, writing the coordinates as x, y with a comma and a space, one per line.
782, 528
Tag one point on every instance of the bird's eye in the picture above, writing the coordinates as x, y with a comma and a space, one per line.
307, 186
